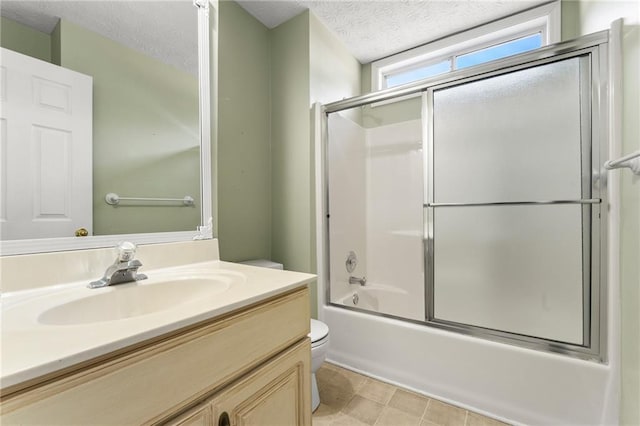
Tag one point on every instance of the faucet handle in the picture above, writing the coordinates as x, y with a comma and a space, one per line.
126, 251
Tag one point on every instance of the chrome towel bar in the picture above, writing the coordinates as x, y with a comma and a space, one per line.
114, 199
517, 203
631, 161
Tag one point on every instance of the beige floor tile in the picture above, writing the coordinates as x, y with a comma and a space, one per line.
377, 391
325, 411
351, 399
335, 397
355, 380
394, 417
443, 414
325, 373
331, 366
474, 419
425, 422
343, 419
327, 416
409, 402
335, 389
363, 409
321, 421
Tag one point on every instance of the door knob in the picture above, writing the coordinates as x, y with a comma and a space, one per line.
81, 232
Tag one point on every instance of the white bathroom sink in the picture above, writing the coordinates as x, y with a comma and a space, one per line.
76, 323
134, 299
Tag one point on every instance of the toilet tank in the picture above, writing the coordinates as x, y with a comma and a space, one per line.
263, 263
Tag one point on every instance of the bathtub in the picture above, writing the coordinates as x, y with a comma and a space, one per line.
510, 383
361, 300
376, 297
382, 299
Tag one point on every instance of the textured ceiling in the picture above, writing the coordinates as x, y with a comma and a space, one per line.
373, 29
165, 30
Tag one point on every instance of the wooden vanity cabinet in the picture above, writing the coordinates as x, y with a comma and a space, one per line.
251, 366
201, 415
273, 394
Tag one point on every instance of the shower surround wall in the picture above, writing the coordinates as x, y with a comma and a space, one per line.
348, 203
376, 185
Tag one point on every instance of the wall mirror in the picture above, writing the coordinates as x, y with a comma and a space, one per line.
105, 123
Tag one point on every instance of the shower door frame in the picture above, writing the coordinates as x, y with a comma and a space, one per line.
596, 46
594, 131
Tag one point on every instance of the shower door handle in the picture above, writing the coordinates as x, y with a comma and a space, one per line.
517, 203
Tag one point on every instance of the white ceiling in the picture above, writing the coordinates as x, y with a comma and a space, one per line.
165, 30
373, 29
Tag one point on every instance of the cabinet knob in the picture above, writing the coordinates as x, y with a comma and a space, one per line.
224, 419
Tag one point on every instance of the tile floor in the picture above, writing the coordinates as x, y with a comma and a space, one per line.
351, 399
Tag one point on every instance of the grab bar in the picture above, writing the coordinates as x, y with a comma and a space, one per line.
114, 199
631, 161
517, 203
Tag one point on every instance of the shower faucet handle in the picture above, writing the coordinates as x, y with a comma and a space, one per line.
351, 262
355, 280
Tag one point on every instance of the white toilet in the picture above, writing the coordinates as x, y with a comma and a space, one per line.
319, 338
319, 344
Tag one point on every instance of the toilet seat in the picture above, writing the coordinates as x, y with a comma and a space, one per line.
319, 342
319, 333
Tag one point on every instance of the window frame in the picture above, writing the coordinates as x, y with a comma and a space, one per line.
545, 19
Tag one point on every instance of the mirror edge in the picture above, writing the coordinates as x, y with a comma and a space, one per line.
204, 77
46, 245
205, 230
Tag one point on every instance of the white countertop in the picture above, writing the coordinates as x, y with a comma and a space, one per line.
31, 349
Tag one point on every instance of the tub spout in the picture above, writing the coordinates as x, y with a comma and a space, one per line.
355, 280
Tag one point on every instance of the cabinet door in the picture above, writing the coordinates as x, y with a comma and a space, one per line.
199, 416
277, 394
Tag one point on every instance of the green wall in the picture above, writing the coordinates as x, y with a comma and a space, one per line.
145, 133
291, 152
244, 139
334, 72
266, 180
308, 64
25, 40
264, 153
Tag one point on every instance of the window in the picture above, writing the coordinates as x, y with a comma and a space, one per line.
415, 74
498, 51
500, 39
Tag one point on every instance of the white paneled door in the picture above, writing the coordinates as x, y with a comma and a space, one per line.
46, 149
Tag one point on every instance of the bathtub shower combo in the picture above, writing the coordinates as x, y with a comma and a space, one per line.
465, 240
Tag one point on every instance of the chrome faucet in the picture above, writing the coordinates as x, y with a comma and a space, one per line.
355, 280
123, 270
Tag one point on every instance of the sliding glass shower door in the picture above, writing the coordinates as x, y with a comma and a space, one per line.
511, 202
502, 171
